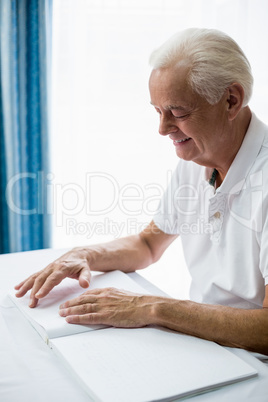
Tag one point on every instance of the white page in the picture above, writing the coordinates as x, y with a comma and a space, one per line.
45, 317
147, 364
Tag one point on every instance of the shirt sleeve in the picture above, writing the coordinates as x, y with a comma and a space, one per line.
264, 244
166, 217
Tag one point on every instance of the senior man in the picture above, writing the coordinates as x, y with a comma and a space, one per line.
200, 85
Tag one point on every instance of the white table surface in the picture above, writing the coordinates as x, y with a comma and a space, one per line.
29, 369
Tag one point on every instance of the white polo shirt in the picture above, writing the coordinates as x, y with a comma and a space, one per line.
224, 232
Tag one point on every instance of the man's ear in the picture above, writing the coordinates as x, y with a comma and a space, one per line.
235, 98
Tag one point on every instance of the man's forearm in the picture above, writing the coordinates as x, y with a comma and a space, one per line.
126, 254
247, 329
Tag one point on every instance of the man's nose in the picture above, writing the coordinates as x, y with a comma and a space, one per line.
167, 125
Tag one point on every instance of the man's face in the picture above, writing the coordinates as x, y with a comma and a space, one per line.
199, 131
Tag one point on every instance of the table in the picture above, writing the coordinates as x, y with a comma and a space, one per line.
29, 369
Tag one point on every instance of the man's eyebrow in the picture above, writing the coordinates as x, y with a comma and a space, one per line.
172, 107
175, 107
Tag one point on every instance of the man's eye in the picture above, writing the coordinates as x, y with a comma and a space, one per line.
181, 117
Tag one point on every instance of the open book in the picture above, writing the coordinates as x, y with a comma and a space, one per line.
134, 365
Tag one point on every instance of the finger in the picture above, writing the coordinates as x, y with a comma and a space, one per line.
86, 319
33, 302
19, 285
85, 277
79, 310
47, 284
38, 283
24, 286
83, 299
90, 296
43, 285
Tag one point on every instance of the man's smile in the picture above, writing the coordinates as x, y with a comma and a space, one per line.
183, 140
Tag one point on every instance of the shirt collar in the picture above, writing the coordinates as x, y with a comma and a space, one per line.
235, 178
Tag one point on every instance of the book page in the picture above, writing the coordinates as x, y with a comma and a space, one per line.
45, 317
148, 364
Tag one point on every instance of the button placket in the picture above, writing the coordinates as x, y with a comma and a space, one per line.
216, 215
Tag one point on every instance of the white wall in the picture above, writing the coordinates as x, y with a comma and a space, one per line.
106, 151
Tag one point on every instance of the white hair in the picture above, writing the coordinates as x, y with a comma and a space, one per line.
215, 61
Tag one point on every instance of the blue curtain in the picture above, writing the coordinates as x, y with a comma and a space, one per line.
25, 49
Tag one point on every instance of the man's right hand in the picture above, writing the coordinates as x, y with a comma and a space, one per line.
72, 264
126, 254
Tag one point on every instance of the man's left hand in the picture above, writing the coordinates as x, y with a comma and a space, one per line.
109, 306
